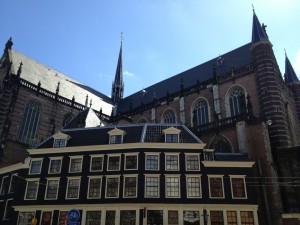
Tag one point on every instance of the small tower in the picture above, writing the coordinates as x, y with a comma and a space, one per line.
118, 84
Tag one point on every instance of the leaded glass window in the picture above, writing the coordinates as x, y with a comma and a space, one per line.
169, 116
200, 113
28, 129
236, 101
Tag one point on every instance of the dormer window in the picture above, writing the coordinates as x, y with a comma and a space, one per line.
60, 140
171, 135
209, 155
116, 136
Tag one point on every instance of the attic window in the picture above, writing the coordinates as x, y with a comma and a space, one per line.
60, 140
171, 135
116, 136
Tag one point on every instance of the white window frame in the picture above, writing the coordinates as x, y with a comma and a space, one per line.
88, 192
245, 189
172, 131
116, 132
37, 189
67, 189
11, 180
34, 160
216, 176
70, 163
178, 158
137, 160
60, 143
57, 190
188, 194
91, 161
166, 185
158, 185
152, 154
186, 161
136, 186
2, 185
33, 212
5, 210
118, 189
108, 160
52, 159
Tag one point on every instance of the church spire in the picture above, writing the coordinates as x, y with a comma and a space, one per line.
118, 84
290, 75
258, 30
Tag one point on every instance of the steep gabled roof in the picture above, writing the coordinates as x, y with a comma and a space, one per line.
290, 75
258, 33
35, 72
237, 58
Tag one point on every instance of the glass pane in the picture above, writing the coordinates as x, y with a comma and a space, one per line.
127, 217
191, 217
110, 217
154, 217
93, 218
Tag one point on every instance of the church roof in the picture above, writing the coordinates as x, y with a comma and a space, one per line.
148, 133
258, 33
236, 58
290, 75
35, 72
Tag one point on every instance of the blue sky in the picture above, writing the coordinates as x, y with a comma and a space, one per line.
161, 37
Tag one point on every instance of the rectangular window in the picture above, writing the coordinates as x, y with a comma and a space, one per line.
12, 184
155, 217
59, 143
173, 217
172, 187
116, 139
191, 217
31, 189
113, 163
96, 163
75, 165
25, 218
130, 184
232, 218
94, 187
247, 218
46, 218
131, 162
93, 218
52, 189
127, 217
216, 187
55, 166
238, 187
8, 210
152, 187
73, 188
4, 185
172, 162
63, 218
216, 218
110, 217
193, 187
112, 187
172, 138
192, 162
35, 166
152, 162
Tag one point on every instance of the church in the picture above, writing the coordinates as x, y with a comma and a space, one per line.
237, 103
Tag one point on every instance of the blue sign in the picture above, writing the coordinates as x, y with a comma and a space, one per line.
73, 215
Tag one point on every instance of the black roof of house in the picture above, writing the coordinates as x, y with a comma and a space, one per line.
237, 58
231, 157
134, 134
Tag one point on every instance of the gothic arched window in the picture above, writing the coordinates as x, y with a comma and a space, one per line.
28, 129
67, 119
169, 116
221, 144
200, 113
237, 101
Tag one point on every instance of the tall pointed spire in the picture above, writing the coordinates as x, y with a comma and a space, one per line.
290, 75
118, 84
258, 30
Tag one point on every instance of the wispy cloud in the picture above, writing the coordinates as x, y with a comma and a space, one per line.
297, 63
128, 74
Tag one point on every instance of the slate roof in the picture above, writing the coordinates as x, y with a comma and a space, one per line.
258, 33
134, 134
33, 71
236, 58
290, 75
231, 157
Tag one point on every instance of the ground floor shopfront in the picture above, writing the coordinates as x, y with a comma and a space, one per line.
141, 214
